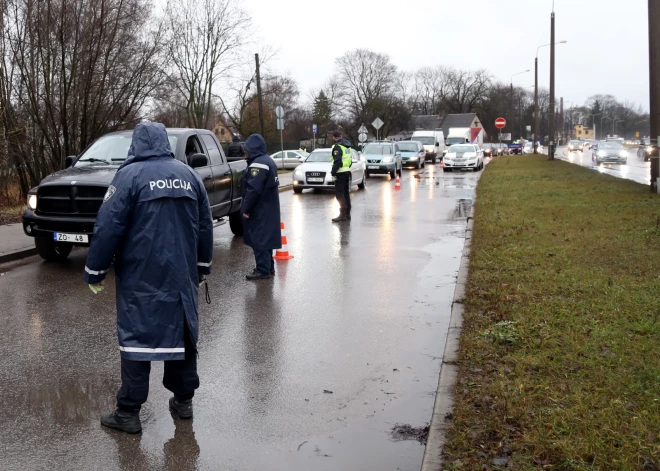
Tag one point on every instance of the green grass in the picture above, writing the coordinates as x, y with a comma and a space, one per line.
11, 214
560, 351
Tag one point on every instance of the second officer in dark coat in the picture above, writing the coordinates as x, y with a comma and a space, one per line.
261, 207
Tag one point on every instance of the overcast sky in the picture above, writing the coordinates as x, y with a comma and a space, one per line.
607, 49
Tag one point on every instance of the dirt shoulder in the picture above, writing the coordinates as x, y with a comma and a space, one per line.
558, 363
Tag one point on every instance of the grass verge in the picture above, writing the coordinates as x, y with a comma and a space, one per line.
11, 214
559, 366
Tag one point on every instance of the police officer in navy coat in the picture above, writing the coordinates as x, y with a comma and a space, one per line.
261, 207
156, 222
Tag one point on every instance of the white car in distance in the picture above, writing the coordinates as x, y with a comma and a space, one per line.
315, 172
464, 156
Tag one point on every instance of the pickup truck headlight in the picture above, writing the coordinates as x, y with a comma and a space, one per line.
387, 160
32, 202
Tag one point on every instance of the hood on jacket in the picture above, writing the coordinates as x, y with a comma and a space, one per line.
255, 146
149, 142
343, 142
235, 139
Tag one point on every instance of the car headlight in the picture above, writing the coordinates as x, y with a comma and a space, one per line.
298, 173
387, 160
623, 153
32, 202
413, 158
649, 149
601, 153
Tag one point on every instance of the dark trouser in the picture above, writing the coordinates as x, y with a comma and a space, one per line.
342, 192
265, 262
180, 377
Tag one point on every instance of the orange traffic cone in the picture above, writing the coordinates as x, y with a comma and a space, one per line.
282, 254
397, 186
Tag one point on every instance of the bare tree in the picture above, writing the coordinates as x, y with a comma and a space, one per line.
72, 71
465, 89
429, 88
203, 39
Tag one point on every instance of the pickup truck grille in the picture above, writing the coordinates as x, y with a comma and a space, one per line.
70, 200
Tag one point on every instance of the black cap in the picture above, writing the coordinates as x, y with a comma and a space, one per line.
336, 133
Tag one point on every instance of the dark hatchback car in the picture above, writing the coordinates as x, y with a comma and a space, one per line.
412, 154
645, 150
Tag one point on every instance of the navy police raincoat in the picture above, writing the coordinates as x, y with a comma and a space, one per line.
156, 222
261, 198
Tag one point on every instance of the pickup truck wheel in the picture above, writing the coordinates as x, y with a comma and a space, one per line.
236, 223
51, 251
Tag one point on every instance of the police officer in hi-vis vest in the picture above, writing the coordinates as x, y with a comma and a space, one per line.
341, 172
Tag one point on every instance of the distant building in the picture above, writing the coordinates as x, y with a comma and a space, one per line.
464, 120
582, 132
223, 132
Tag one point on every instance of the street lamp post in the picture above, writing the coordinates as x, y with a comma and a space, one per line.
551, 150
537, 117
601, 125
654, 91
593, 117
511, 104
615, 123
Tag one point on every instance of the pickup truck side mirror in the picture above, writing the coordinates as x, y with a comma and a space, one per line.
397, 154
198, 160
437, 144
68, 162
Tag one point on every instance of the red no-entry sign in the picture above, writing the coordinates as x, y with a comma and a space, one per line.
500, 123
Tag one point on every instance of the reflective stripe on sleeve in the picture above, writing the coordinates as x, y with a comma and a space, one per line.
151, 350
264, 166
93, 272
202, 264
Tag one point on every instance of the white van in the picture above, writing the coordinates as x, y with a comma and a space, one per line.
433, 142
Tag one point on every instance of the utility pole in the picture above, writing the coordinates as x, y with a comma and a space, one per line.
654, 76
561, 118
260, 99
537, 126
551, 150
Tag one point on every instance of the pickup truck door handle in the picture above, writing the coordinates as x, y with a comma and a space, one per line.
226, 174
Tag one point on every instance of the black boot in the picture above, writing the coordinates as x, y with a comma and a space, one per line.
257, 275
128, 422
342, 217
183, 409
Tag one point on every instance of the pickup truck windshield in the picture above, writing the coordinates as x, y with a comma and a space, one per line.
321, 156
111, 150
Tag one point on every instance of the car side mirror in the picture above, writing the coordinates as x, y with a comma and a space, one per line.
68, 162
437, 143
397, 154
198, 160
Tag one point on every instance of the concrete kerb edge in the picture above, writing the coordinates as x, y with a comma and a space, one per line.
286, 187
444, 397
13, 256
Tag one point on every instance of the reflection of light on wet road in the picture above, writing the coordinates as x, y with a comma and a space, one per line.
295, 227
624, 171
412, 183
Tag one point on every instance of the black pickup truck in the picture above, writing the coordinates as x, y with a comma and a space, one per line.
62, 210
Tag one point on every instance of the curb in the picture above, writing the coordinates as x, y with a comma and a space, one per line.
286, 187
13, 256
444, 397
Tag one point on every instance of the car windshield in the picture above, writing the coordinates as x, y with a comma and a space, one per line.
610, 145
489, 146
461, 149
319, 156
378, 149
646, 142
111, 150
408, 146
425, 140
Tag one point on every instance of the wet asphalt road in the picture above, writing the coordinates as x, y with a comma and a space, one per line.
361, 311
636, 169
